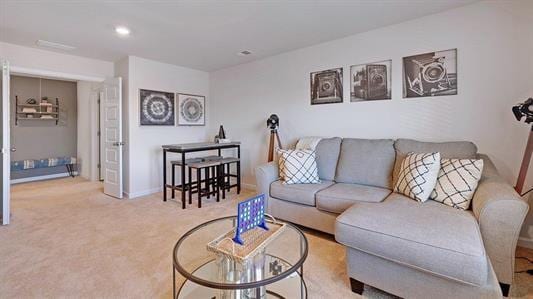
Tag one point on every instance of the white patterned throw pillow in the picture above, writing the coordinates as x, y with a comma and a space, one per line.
457, 182
418, 175
298, 167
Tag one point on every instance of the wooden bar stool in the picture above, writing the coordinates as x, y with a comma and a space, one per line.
175, 164
226, 175
213, 170
211, 179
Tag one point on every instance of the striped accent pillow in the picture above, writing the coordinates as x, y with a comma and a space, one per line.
298, 167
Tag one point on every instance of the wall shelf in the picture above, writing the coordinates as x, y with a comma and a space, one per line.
43, 111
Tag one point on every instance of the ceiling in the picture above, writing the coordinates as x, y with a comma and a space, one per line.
202, 34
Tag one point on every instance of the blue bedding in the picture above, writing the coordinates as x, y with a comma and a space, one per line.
41, 163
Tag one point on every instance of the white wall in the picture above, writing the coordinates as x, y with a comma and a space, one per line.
491, 53
144, 172
495, 67
19, 56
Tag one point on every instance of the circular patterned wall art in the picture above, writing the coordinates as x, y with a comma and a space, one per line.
157, 108
192, 110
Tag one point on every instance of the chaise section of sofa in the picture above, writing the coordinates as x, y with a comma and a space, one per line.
428, 237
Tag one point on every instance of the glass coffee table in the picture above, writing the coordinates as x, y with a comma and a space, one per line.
276, 273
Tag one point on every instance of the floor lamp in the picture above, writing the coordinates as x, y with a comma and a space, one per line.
273, 124
524, 110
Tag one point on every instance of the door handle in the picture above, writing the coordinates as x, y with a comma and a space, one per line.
13, 149
120, 143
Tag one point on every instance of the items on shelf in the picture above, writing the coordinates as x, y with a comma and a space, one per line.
29, 110
32, 110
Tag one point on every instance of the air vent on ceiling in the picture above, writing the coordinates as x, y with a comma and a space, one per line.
48, 44
244, 53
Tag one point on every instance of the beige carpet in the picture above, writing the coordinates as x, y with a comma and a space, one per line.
67, 239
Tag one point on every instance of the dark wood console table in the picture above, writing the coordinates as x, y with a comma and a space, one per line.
185, 148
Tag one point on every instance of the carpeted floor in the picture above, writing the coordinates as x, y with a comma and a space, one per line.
67, 239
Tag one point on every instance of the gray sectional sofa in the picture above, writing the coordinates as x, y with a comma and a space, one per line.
393, 243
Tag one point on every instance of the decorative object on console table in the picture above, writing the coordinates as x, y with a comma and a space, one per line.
430, 74
524, 110
370, 81
273, 124
221, 137
191, 110
326, 87
157, 108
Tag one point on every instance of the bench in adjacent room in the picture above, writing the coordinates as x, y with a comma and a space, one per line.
43, 167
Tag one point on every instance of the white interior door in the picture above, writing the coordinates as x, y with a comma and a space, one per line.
111, 103
5, 145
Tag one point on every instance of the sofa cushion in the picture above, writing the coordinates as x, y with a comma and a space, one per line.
447, 150
366, 162
327, 155
341, 196
428, 236
298, 193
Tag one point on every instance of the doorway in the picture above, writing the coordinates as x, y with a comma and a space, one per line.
106, 146
43, 128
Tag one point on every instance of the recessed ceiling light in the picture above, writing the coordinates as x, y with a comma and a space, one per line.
122, 30
48, 44
244, 53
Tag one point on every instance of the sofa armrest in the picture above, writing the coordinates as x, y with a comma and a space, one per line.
265, 175
500, 212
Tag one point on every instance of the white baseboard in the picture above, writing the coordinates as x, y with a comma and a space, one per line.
142, 193
525, 242
159, 189
40, 178
249, 186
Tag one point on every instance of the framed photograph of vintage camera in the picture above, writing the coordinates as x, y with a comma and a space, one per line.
430, 74
157, 108
370, 81
326, 87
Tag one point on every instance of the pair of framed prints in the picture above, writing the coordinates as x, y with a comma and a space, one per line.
158, 108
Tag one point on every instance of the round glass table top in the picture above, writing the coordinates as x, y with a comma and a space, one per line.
284, 255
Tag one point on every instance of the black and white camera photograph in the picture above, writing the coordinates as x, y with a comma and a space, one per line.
430, 74
157, 108
369, 82
326, 87
191, 110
